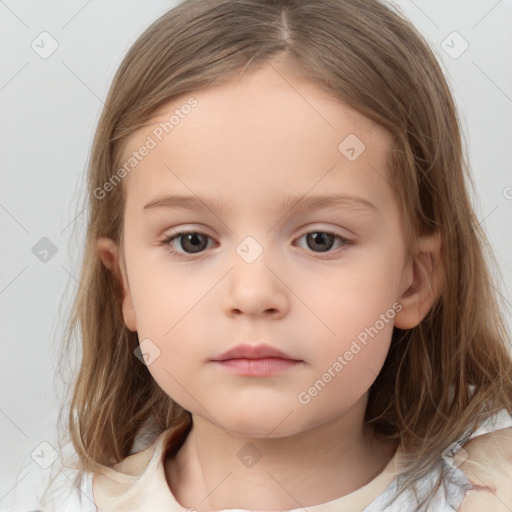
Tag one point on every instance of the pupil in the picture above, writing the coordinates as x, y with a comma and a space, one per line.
319, 238
195, 241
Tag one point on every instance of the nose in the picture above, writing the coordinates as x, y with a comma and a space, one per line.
256, 290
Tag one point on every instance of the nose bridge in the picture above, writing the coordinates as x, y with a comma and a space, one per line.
251, 250
253, 284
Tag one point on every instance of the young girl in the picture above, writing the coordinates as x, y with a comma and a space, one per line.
284, 301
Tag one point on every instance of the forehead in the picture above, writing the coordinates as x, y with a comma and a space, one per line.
268, 127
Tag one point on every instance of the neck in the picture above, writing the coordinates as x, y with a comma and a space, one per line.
217, 470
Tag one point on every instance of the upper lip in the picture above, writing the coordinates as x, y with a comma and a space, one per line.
246, 351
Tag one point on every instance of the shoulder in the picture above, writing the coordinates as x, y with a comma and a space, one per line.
487, 463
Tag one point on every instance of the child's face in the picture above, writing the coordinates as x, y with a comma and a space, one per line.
256, 277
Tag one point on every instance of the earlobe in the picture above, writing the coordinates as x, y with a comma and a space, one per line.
423, 280
108, 251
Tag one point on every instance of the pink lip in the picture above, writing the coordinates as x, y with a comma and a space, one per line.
258, 361
253, 352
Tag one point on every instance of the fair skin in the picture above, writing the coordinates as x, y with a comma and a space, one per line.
251, 143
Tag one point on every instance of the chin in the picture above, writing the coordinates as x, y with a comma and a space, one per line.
269, 425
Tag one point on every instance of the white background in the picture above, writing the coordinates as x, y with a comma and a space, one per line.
49, 109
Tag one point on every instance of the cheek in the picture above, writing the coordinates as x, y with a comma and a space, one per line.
345, 368
355, 313
352, 300
182, 351
173, 313
164, 295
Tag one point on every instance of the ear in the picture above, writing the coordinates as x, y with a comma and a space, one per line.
108, 251
422, 282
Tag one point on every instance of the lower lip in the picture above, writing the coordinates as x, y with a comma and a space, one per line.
258, 367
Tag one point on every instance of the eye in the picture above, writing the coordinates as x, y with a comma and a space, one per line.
192, 242
323, 241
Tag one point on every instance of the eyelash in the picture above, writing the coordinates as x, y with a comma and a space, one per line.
346, 243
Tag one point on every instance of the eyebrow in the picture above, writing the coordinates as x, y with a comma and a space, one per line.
290, 202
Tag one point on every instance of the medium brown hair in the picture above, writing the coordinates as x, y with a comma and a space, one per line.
441, 378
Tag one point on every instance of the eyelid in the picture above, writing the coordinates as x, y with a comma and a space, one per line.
182, 232
345, 242
304, 231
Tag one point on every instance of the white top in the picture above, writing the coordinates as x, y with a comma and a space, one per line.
138, 484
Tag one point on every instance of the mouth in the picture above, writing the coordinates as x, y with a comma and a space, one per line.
256, 360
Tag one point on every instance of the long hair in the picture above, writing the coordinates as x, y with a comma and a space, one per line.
441, 378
